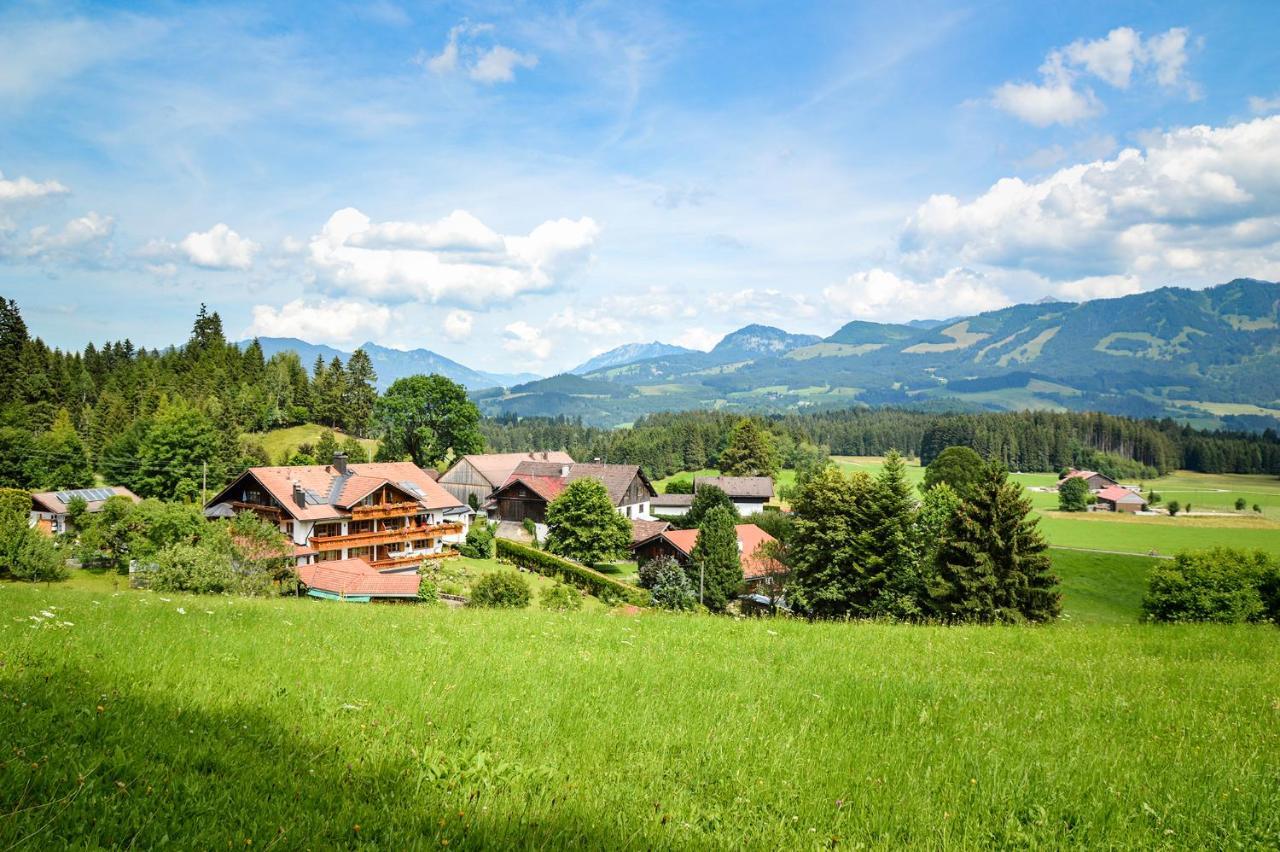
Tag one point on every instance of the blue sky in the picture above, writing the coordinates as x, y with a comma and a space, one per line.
522, 186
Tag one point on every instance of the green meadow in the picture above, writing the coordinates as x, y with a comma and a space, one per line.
131, 719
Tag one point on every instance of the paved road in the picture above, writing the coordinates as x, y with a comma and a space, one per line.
1113, 552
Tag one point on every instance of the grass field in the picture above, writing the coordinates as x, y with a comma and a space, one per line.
280, 442
132, 720
1138, 535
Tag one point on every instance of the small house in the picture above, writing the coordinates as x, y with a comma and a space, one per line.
748, 493
1117, 499
671, 505
480, 474
1096, 481
757, 568
535, 484
49, 508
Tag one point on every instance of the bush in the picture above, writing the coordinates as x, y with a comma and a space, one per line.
428, 592
1073, 495
26, 553
561, 597
671, 588
1174, 508
587, 579
647, 574
501, 590
1220, 584
479, 543
1240, 504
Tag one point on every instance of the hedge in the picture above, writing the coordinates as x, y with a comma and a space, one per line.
603, 587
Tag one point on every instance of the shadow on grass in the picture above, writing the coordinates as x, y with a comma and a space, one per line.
89, 764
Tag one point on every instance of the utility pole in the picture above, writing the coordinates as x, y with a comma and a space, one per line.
204, 482
700, 583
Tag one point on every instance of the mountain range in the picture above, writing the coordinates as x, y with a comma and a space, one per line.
392, 364
1208, 357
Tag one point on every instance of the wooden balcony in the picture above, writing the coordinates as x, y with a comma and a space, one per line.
384, 510
241, 506
406, 561
391, 536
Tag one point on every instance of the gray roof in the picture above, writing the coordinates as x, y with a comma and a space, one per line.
672, 500
753, 487
616, 477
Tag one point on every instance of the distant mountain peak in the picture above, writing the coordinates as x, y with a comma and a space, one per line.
628, 353
761, 341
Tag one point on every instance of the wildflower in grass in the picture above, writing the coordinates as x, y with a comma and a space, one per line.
181, 611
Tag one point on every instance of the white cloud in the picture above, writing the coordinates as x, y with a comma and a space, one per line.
26, 189
496, 63
455, 260
1264, 106
1099, 287
1114, 59
1214, 190
81, 239
333, 321
878, 294
458, 325
523, 339
697, 337
762, 302
593, 322
218, 248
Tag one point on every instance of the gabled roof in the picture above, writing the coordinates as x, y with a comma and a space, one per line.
330, 494
355, 577
1116, 494
498, 467
1085, 474
750, 487
750, 537
672, 500
643, 530
546, 479
56, 501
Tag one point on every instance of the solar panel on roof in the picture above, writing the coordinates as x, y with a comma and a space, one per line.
89, 495
312, 498
411, 488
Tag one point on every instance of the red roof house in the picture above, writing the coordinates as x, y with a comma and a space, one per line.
356, 581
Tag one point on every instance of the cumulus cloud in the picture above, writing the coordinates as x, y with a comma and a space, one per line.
83, 239
25, 189
455, 260
1062, 96
495, 63
218, 248
1204, 189
762, 302
333, 321
697, 337
521, 338
458, 325
879, 294
1099, 287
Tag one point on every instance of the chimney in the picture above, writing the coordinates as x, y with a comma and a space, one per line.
564, 471
299, 496
340, 462
544, 456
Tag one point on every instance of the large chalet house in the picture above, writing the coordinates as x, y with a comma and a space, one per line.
474, 477
391, 515
534, 484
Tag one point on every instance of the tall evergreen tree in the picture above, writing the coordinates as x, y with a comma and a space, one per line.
826, 552
59, 459
360, 393
715, 566
891, 548
750, 451
994, 564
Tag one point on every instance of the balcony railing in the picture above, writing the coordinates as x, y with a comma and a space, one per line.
370, 537
406, 561
385, 510
241, 506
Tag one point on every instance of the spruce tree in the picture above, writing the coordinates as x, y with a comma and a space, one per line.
750, 451
994, 564
891, 548
360, 394
715, 566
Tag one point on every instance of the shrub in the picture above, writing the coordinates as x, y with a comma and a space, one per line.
501, 590
647, 574
1073, 495
479, 543
671, 588
1174, 508
1257, 508
588, 579
428, 592
1220, 584
1240, 504
530, 527
561, 597
26, 553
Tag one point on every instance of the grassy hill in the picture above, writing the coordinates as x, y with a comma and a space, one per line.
282, 442
135, 719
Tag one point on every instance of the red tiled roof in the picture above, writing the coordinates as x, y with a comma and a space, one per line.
750, 536
356, 577
321, 479
546, 487
1115, 493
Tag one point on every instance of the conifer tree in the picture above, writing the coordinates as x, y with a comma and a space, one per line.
826, 553
750, 451
715, 566
994, 564
360, 394
59, 459
891, 549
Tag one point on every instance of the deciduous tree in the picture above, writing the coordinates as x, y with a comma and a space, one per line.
583, 524
427, 418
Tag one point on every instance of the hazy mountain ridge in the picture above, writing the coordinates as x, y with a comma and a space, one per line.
391, 364
1209, 356
629, 353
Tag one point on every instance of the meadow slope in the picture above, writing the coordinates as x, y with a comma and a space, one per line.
129, 719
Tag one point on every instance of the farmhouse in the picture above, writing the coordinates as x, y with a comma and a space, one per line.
672, 505
534, 484
748, 493
390, 514
475, 477
1096, 481
1117, 499
356, 581
757, 568
49, 508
